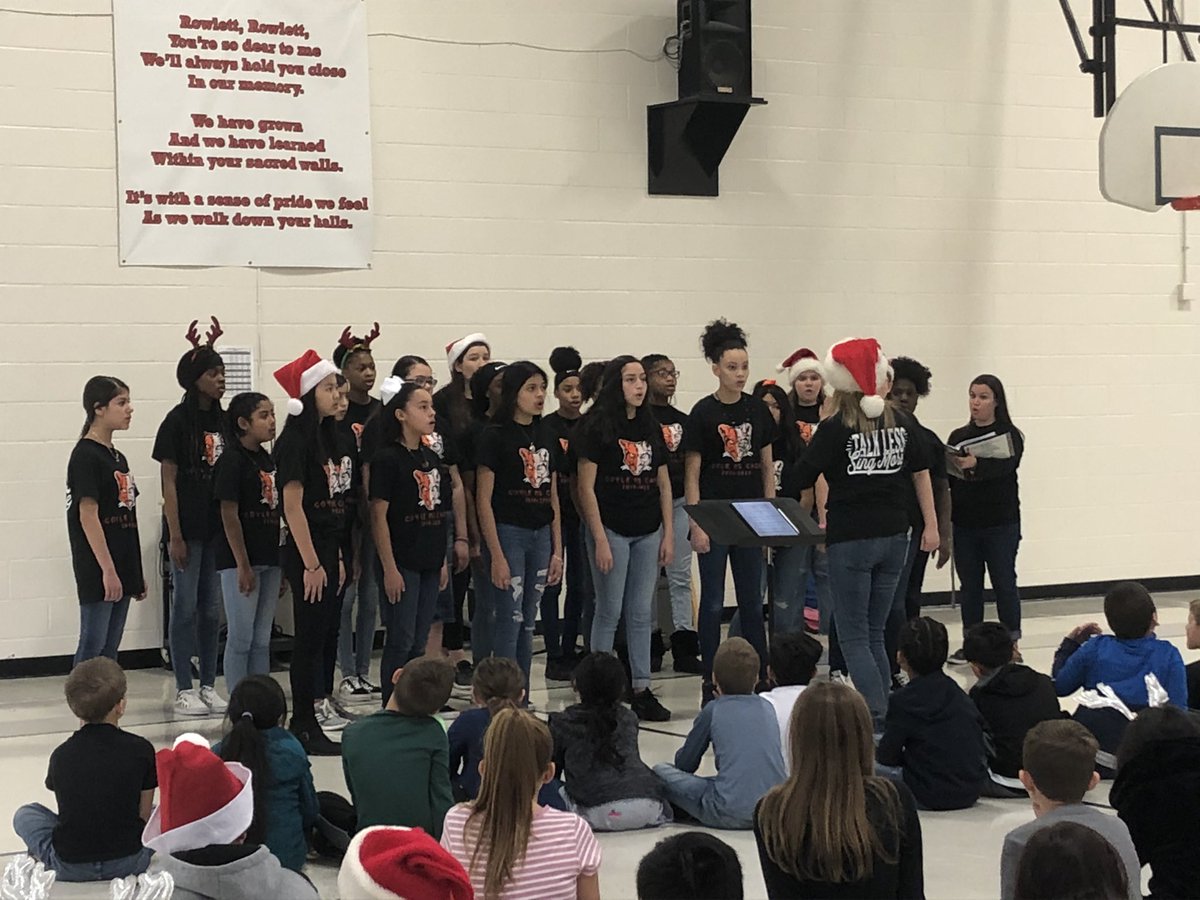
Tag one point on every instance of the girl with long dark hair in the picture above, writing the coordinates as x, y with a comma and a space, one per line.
625, 501
314, 483
453, 403
986, 509
106, 555
189, 442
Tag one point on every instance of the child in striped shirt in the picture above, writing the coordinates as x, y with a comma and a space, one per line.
512, 848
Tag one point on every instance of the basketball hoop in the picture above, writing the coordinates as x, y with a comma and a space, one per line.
1185, 203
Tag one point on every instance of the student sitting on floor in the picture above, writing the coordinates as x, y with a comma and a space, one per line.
694, 865
736, 723
792, 665
391, 863
1070, 860
198, 830
513, 848
285, 801
397, 761
933, 734
498, 683
1011, 697
596, 752
103, 780
1059, 768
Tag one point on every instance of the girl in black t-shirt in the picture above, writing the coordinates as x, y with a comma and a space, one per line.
986, 509
518, 510
410, 519
662, 378
728, 457
189, 442
314, 481
248, 556
560, 642
625, 501
102, 521
465, 357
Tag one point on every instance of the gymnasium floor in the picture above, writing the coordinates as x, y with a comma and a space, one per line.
962, 849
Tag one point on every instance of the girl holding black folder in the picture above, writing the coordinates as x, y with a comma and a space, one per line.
986, 509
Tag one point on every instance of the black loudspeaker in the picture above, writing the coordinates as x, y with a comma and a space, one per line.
714, 48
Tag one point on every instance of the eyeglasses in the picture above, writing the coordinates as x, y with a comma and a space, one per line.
427, 383
672, 374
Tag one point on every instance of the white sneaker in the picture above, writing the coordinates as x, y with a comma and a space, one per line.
188, 703
210, 698
352, 692
841, 678
327, 716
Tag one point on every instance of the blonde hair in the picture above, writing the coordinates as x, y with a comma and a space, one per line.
848, 409
517, 750
815, 825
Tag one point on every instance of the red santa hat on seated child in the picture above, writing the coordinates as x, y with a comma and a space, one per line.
455, 349
859, 366
803, 360
390, 863
302, 375
202, 799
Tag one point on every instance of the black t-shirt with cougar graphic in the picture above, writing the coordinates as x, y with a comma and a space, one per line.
673, 424
195, 454
416, 486
103, 475
730, 438
561, 430
626, 475
247, 478
522, 458
869, 476
326, 484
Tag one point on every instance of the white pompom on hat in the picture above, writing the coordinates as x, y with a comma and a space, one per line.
803, 360
455, 349
302, 375
859, 366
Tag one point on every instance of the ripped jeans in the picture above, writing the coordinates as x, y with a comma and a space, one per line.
527, 551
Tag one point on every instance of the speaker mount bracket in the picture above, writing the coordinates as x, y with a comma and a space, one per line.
687, 140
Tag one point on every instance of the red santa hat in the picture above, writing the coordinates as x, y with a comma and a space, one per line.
859, 366
455, 349
302, 375
202, 800
387, 863
803, 360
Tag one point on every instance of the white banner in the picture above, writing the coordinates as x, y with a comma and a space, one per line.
243, 133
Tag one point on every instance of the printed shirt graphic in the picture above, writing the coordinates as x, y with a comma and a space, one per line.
673, 436
356, 428
637, 456
878, 452
247, 478
270, 496
429, 488
626, 483
737, 440
412, 482
193, 440
519, 457
340, 475
536, 464
730, 437
778, 466
807, 430
96, 472
126, 490
436, 443
214, 446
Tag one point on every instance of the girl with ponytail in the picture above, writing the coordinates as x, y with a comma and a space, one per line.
106, 554
509, 845
285, 800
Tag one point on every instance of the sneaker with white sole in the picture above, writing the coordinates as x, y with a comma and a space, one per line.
371, 688
353, 691
327, 716
214, 701
188, 703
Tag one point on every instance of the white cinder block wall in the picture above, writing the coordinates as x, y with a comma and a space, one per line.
925, 172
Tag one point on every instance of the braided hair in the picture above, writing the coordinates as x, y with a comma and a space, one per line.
925, 644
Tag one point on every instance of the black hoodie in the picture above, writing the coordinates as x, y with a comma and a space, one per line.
1012, 701
1157, 794
935, 732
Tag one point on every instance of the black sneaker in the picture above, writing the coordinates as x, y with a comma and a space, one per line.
464, 672
685, 652
706, 694
657, 649
647, 707
559, 669
314, 741
957, 658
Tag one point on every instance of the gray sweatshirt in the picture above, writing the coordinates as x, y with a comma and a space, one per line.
232, 872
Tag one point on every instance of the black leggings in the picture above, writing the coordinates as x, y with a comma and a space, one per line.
316, 624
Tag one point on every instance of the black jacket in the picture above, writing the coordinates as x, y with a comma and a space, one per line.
1157, 794
1012, 701
935, 732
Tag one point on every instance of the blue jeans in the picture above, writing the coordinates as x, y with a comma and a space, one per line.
408, 622
35, 824
101, 626
527, 551
627, 590
747, 564
694, 795
195, 619
790, 568
899, 614
579, 606
996, 549
355, 645
863, 575
248, 644
679, 572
